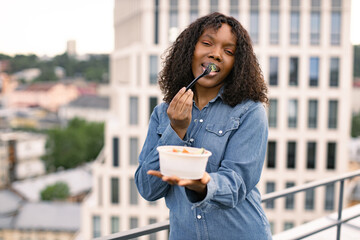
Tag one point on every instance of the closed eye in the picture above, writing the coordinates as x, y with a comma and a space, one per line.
206, 43
229, 52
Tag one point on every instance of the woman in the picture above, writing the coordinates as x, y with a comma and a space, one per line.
222, 113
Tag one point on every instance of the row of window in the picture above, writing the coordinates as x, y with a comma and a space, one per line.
115, 225
309, 199
313, 73
254, 26
311, 161
133, 151
312, 114
134, 108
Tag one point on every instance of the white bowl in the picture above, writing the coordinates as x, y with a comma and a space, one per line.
183, 165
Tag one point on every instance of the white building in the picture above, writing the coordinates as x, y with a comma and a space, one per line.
305, 53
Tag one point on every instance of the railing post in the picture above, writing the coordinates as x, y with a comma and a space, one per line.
340, 209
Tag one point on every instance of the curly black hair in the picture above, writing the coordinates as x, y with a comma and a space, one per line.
245, 81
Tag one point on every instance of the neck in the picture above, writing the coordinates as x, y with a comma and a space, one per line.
204, 95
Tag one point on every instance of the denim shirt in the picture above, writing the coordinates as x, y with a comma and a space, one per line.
237, 138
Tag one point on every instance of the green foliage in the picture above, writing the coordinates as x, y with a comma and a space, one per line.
57, 191
356, 60
355, 125
74, 145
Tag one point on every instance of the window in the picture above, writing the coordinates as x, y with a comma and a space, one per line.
311, 155
290, 200
271, 154
334, 71
314, 72
173, 18
273, 71
312, 114
315, 24
134, 222
114, 190
333, 112
115, 223
115, 152
100, 191
234, 8
152, 236
270, 187
134, 109
295, 22
214, 6
331, 155
291, 155
153, 101
134, 149
194, 10
292, 113
254, 21
133, 192
309, 199
335, 22
329, 196
273, 106
293, 73
96, 222
274, 21
156, 22
288, 225
153, 69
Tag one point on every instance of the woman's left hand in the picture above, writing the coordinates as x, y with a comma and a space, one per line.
198, 185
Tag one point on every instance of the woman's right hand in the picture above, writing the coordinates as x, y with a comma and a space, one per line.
179, 111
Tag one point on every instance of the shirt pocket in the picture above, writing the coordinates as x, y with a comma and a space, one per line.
216, 138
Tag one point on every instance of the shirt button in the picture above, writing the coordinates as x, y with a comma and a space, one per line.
220, 132
195, 120
201, 120
191, 139
198, 216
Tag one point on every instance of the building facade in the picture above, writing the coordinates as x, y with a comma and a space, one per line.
305, 53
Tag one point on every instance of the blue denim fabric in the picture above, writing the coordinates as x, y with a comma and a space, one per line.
237, 138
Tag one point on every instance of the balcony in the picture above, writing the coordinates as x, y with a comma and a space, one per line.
328, 227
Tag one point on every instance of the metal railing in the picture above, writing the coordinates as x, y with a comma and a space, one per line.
165, 225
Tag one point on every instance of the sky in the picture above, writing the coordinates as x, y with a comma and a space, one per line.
43, 27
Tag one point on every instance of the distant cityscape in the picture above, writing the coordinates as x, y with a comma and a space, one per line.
308, 62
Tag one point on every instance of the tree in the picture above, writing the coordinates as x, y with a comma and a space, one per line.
57, 191
355, 125
78, 143
356, 61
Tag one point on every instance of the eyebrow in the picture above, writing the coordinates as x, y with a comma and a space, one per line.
212, 38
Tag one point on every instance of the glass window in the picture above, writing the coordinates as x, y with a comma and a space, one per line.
115, 224
335, 22
96, 226
290, 200
292, 113
134, 110
315, 27
273, 107
291, 155
173, 18
194, 10
331, 155
134, 222
214, 6
274, 21
254, 21
270, 187
100, 191
115, 152
153, 101
288, 225
329, 196
133, 192
134, 150
293, 73
311, 155
152, 236
273, 71
294, 27
334, 71
156, 22
333, 112
314, 72
271, 154
153, 69
115, 190
309, 199
234, 8
313, 111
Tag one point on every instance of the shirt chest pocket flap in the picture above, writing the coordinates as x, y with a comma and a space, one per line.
222, 129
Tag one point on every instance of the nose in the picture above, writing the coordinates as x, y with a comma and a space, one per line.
215, 54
